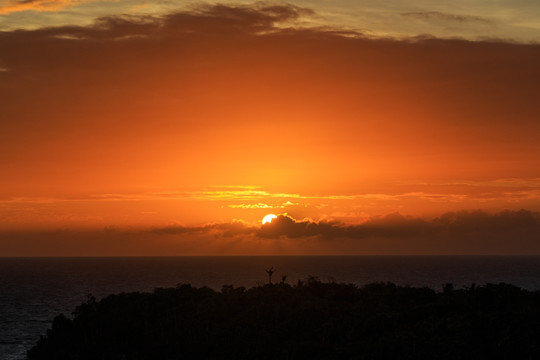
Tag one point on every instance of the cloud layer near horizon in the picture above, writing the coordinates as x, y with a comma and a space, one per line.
389, 226
466, 232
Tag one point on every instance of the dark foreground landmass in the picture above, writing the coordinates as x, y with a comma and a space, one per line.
310, 320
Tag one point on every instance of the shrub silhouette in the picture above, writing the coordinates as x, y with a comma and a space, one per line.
311, 320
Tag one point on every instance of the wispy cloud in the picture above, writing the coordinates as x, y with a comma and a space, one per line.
255, 196
38, 5
263, 205
439, 16
255, 206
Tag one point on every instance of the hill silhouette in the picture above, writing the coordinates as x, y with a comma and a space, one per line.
310, 320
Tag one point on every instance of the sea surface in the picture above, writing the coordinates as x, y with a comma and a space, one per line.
34, 290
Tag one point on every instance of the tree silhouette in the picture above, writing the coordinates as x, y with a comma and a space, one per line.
311, 320
270, 272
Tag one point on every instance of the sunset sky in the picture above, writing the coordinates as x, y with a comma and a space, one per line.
172, 128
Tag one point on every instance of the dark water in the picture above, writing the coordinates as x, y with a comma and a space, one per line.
34, 290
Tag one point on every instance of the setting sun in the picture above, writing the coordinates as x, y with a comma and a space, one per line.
268, 218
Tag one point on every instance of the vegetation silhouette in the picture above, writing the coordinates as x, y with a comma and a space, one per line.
270, 272
310, 320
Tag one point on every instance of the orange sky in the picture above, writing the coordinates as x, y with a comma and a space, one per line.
216, 116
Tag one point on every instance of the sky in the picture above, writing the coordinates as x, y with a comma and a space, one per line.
172, 128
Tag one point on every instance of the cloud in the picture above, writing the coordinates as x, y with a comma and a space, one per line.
397, 225
439, 16
481, 222
389, 226
464, 232
287, 226
37, 5
255, 206
258, 16
248, 204
233, 229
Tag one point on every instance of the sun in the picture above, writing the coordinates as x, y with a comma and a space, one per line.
268, 218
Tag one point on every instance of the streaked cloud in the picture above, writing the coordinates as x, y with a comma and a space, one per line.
254, 197
255, 206
38, 5
438, 16
263, 206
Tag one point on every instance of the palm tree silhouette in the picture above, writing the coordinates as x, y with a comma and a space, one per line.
270, 272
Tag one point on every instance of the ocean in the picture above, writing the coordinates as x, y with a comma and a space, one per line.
34, 290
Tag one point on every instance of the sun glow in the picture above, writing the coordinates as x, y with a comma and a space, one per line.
268, 218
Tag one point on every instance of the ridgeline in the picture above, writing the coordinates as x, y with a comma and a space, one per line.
310, 320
